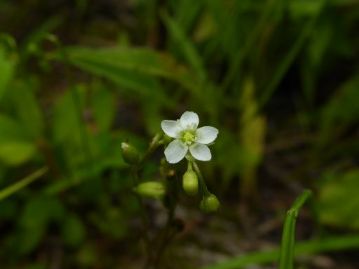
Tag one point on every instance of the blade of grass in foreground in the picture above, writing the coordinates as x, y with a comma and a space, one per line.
22, 183
288, 250
303, 248
286, 257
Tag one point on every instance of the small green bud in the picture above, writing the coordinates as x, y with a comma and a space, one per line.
152, 189
130, 153
190, 182
210, 203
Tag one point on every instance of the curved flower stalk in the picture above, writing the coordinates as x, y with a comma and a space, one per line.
188, 138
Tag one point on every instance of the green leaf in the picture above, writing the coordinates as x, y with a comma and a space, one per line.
341, 112
103, 103
40, 210
252, 138
286, 257
70, 130
27, 108
66, 121
15, 147
73, 231
15, 153
28, 239
110, 221
186, 12
339, 200
34, 219
290, 56
10, 129
134, 69
302, 8
105, 149
7, 68
185, 46
302, 249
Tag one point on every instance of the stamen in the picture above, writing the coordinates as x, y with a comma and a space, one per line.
188, 137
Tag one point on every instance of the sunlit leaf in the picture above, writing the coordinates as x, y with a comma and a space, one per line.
339, 200
252, 137
15, 146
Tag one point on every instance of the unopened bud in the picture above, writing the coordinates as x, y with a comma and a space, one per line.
130, 153
152, 189
210, 203
190, 182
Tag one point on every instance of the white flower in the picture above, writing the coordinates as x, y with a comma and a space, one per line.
187, 137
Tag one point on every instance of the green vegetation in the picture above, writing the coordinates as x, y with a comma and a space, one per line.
81, 79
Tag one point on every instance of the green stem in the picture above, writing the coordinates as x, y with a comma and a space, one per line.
305, 248
286, 258
203, 185
143, 215
155, 143
167, 237
136, 169
22, 183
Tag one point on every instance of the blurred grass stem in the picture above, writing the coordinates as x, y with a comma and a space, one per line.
22, 183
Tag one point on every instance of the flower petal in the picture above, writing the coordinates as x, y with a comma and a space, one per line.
206, 134
175, 151
189, 120
171, 128
200, 152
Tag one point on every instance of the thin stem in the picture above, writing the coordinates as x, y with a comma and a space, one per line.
136, 169
286, 258
169, 230
204, 188
143, 215
22, 183
168, 234
156, 141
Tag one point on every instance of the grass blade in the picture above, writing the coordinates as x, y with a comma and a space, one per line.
185, 45
288, 238
22, 183
290, 57
301, 249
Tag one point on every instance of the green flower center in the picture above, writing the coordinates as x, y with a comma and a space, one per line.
188, 137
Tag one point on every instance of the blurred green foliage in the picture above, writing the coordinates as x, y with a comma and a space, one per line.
279, 79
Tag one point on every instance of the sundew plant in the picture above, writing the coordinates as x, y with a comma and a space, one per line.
207, 134
189, 143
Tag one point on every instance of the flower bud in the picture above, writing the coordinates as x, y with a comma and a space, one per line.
210, 203
152, 189
190, 182
130, 153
